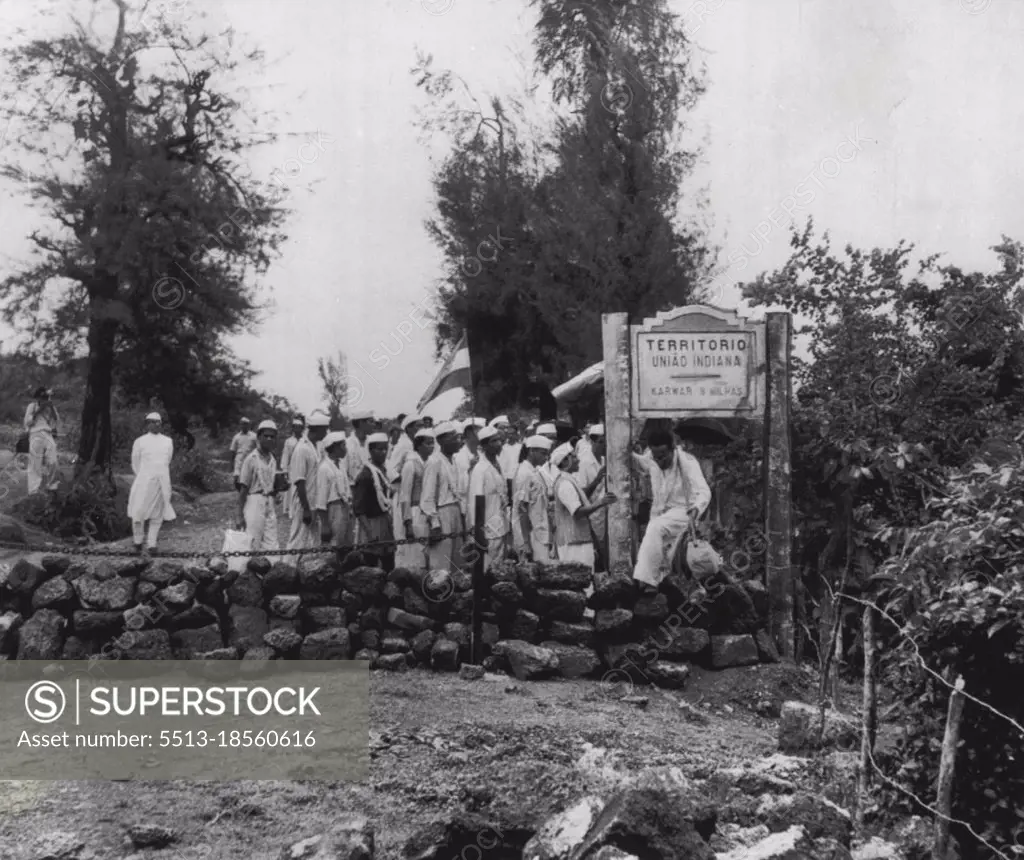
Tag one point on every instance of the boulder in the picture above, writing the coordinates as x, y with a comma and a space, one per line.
260, 655
507, 592
175, 598
406, 620
524, 626
730, 608
332, 644
317, 618
489, 633
259, 565
444, 656
574, 661
144, 591
195, 616
280, 579
367, 582
395, 645
321, 576
611, 590
55, 565
562, 833
370, 655
371, 639
75, 570
800, 728
10, 623
161, 574
110, 594
56, 593
248, 625
458, 633
612, 622
766, 649
392, 662
503, 571
461, 607
651, 608
26, 576
353, 604
97, 625
42, 636
560, 605
565, 575
579, 633
758, 595
246, 590
731, 651
422, 643
413, 601
681, 643
187, 643
285, 605
789, 844
373, 618
284, 642
350, 838
11, 532
671, 676
528, 662
470, 672
144, 645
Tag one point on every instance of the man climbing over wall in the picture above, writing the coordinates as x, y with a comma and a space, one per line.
680, 494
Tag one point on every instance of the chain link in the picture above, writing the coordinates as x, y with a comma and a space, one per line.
51, 549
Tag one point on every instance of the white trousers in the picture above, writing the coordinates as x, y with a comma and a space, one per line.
261, 521
301, 536
412, 556
581, 553
42, 461
654, 558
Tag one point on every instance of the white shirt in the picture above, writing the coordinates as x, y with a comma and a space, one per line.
332, 484
356, 456
508, 460
396, 458
36, 420
487, 481
682, 486
440, 486
465, 460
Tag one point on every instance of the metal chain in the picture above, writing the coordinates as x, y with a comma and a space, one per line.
51, 549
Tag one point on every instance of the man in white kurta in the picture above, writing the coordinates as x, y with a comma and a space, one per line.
508, 459
333, 502
680, 494
257, 513
243, 442
592, 480
413, 556
467, 457
150, 497
41, 421
397, 456
573, 539
440, 502
304, 532
486, 480
530, 505
357, 456
298, 429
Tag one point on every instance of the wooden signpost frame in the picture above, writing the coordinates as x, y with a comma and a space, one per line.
768, 394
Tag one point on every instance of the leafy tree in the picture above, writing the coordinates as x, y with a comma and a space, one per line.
334, 377
545, 230
154, 231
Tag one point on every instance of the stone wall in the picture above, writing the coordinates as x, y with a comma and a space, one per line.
539, 621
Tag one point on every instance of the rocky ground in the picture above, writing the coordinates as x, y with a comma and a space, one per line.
454, 762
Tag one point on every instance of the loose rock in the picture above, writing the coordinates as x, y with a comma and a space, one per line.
731, 651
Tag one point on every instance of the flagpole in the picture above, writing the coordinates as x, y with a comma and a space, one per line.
472, 383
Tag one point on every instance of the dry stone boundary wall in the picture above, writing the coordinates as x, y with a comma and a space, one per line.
539, 621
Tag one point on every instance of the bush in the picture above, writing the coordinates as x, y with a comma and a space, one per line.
958, 590
195, 470
92, 509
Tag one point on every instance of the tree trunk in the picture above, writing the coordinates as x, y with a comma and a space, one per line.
94, 447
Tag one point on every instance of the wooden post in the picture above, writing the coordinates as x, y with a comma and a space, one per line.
479, 580
947, 767
870, 720
777, 483
617, 431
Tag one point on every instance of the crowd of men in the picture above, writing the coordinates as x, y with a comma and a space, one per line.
416, 486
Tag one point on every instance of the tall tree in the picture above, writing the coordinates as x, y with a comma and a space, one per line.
155, 232
589, 207
333, 373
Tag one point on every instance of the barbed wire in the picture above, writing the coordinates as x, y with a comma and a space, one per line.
370, 546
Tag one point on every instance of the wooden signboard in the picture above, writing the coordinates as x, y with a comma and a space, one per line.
698, 360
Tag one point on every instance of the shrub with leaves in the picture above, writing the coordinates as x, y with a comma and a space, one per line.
956, 587
91, 509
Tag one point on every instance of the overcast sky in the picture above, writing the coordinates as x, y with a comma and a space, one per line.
884, 119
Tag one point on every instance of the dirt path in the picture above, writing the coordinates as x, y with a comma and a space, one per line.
512, 752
